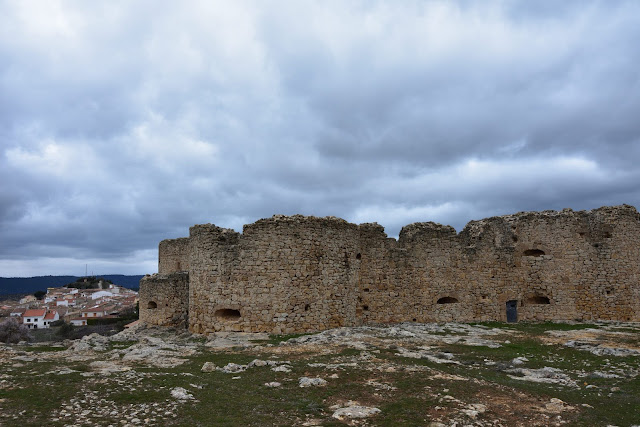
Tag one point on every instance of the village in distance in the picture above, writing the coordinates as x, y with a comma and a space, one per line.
89, 304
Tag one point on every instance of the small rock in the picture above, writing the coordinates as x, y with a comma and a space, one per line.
181, 394
556, 406
355, 412
311, 382
273, 384
474, 410
209, 367
281, 368
233, 368
519, 360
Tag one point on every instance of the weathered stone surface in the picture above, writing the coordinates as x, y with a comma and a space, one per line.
181, 394
273, 384
545, 375
289, 274
164, 299
355, 411
311, 382
208, 367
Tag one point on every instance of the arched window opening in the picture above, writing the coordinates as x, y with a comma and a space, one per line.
447, 300
538, 299
534, 252
152, 305
358, 256
227, 314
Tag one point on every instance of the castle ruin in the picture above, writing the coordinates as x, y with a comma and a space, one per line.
289, 274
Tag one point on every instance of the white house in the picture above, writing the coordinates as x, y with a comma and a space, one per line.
50, 317
34, 318
79, 321
17, 312
101, 294
39, 318
96, 311
28, 298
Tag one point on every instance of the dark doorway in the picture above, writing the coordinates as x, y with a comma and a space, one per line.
512, 311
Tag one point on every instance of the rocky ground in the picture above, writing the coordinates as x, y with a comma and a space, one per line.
407, 374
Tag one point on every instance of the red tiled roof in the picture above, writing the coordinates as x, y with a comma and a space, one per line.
35, 312
50, 315
93, 309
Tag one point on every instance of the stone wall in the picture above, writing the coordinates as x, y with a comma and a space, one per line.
164, 299
282, 275
295, 274
173, 255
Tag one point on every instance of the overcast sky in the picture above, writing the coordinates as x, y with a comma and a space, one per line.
123, 123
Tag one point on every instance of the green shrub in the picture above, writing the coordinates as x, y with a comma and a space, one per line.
66, 330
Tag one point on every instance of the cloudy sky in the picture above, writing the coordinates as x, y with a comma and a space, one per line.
123, 123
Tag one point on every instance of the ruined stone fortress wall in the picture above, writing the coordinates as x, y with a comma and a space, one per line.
173, 255
291, 274
164, 299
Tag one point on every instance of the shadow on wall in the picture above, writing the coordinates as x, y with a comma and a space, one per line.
227, 314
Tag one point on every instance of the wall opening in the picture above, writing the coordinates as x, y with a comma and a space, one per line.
365, 307
359, 256
152, 305
447, 300
538, 299
227, 314
306, 307
512, 311
533, 252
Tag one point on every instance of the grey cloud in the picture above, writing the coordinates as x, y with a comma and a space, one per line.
119, 128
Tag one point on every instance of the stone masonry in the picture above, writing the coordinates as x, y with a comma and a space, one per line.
289, 274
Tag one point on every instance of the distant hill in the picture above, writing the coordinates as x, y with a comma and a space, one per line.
28, 285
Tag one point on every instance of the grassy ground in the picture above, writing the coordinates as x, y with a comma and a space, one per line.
408, 391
